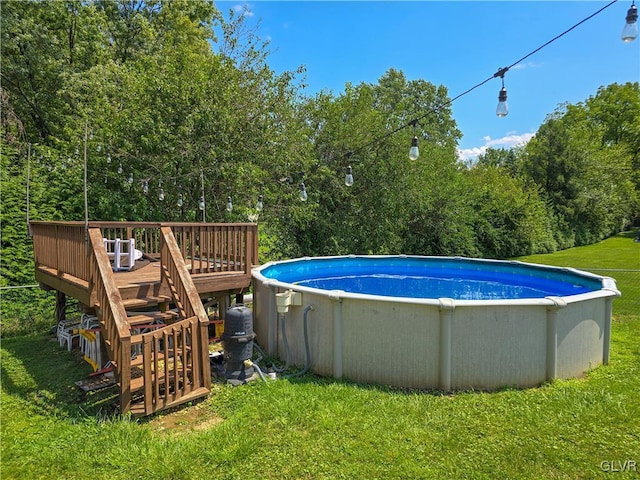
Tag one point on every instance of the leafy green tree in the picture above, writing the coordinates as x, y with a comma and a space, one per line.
395, 205
584, 157
43, 43
512, 218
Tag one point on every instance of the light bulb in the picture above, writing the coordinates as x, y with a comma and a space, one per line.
414, 153
145, 187
130, 179
630, 30
180, 201
503, 109
161, 195
303, 193
108, 158
201, 203
348, 178
120, 169
260, 204
229, 204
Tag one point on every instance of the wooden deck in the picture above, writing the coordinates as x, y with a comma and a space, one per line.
218, 256
182, 263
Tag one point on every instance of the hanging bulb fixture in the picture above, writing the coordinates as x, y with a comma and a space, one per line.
630, 30
120, 168
130, 179
201, 203
229, 204
260, 204
145, 187
502, 110
414, 153
108, 157
180, 201
348, 178
161, 194
303, 193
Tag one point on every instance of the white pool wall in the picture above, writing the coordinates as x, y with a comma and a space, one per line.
438, 343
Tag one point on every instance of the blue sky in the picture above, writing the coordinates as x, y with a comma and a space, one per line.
457, 44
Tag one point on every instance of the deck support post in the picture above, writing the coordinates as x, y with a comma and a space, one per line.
61, 306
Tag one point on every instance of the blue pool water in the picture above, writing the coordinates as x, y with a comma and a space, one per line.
429, 277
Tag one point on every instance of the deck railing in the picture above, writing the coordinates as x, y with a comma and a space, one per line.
171, 365
206, 247
61, 246
113, 317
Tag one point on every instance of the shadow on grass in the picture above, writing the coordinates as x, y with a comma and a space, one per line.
313, 379
633, 233
36, 369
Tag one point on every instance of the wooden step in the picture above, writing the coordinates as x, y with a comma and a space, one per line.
133, 303
151, 317
137, 362
137, 408
137, 383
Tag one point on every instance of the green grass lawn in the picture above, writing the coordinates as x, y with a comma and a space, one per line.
314, 428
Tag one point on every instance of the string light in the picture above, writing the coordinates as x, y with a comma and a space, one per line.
414, 152
437, 108
630, 30
629, 34
145, 187
502, 110
348, 178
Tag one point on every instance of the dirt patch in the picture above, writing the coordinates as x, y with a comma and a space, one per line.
197, 417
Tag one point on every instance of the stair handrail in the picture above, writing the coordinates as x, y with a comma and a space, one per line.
112, 315
174, 270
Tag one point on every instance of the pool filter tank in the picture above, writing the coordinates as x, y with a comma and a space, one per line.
237, 343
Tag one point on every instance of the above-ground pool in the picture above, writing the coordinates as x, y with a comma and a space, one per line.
433, 322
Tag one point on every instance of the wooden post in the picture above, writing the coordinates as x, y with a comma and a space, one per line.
61, 306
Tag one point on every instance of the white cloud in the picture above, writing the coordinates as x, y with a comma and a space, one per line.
243, 9
522, 66
511, 139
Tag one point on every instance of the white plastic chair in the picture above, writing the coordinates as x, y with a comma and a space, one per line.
122, 253
67, 332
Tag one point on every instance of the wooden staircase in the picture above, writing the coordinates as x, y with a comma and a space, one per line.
158, 345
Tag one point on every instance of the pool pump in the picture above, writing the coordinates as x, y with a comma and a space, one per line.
237, 342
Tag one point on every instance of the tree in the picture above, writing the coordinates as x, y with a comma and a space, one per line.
511, 217
395, 206
584, 158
